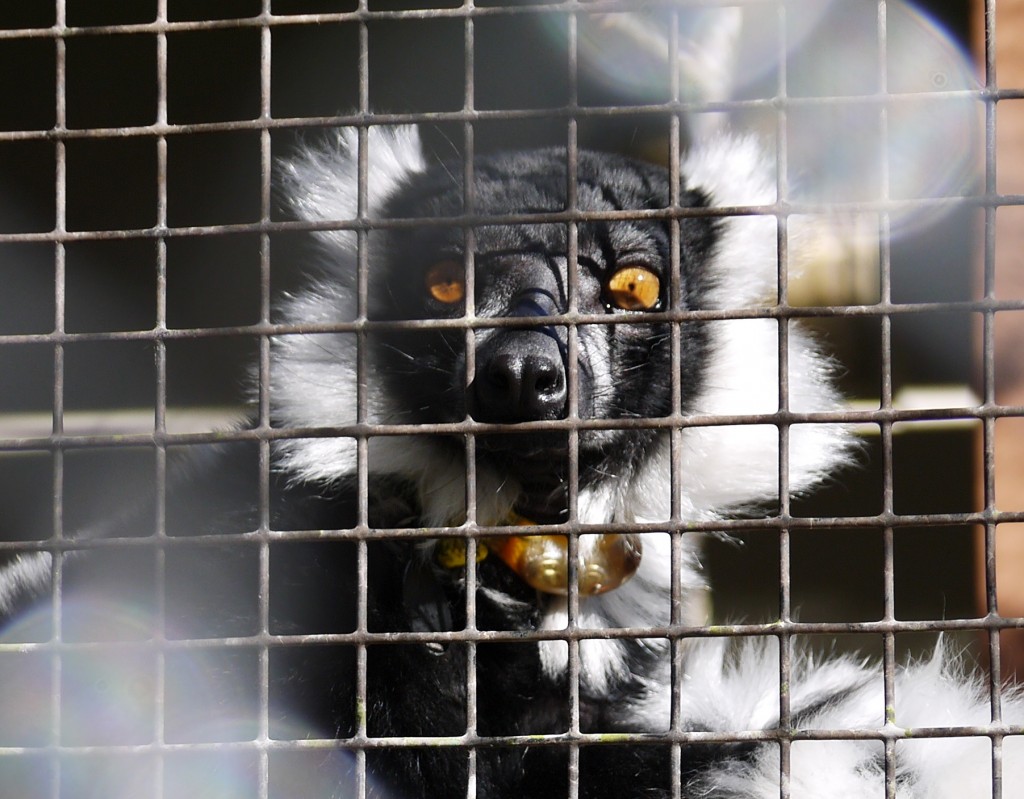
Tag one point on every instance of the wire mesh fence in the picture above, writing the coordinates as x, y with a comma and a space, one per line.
144, 242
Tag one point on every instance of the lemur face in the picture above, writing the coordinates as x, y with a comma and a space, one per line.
527, 369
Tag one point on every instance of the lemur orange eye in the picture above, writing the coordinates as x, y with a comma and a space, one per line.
634, 288
446, 281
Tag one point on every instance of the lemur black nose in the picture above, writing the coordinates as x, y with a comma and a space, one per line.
520, 377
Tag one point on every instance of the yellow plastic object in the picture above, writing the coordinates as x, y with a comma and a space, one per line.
451, 552
542, 561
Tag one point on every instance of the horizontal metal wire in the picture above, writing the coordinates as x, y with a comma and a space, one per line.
266, 226
875, 310
773, 629
782, 419
887, 732
367, 533
364, 14
663, 108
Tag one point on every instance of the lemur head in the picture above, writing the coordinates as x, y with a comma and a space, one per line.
521, 370
498, 330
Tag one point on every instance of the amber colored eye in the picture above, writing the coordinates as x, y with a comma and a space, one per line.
634, 288
446, 281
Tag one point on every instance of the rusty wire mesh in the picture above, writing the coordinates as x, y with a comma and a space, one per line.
55, 31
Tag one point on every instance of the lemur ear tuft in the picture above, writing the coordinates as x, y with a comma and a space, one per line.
321, 182
735, 172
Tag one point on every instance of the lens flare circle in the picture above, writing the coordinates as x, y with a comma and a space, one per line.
892, 121
118, 686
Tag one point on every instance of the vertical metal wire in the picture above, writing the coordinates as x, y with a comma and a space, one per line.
888, 534
59, 329
785, 618
362, 443
988, 390
676, 618
266, 171
160, 413
469, 263
572, 389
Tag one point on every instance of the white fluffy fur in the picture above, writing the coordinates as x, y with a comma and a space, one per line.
312, 380
723, 467
25, 574
738, 689
737, 465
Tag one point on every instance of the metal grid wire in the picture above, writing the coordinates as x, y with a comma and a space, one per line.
58, 444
